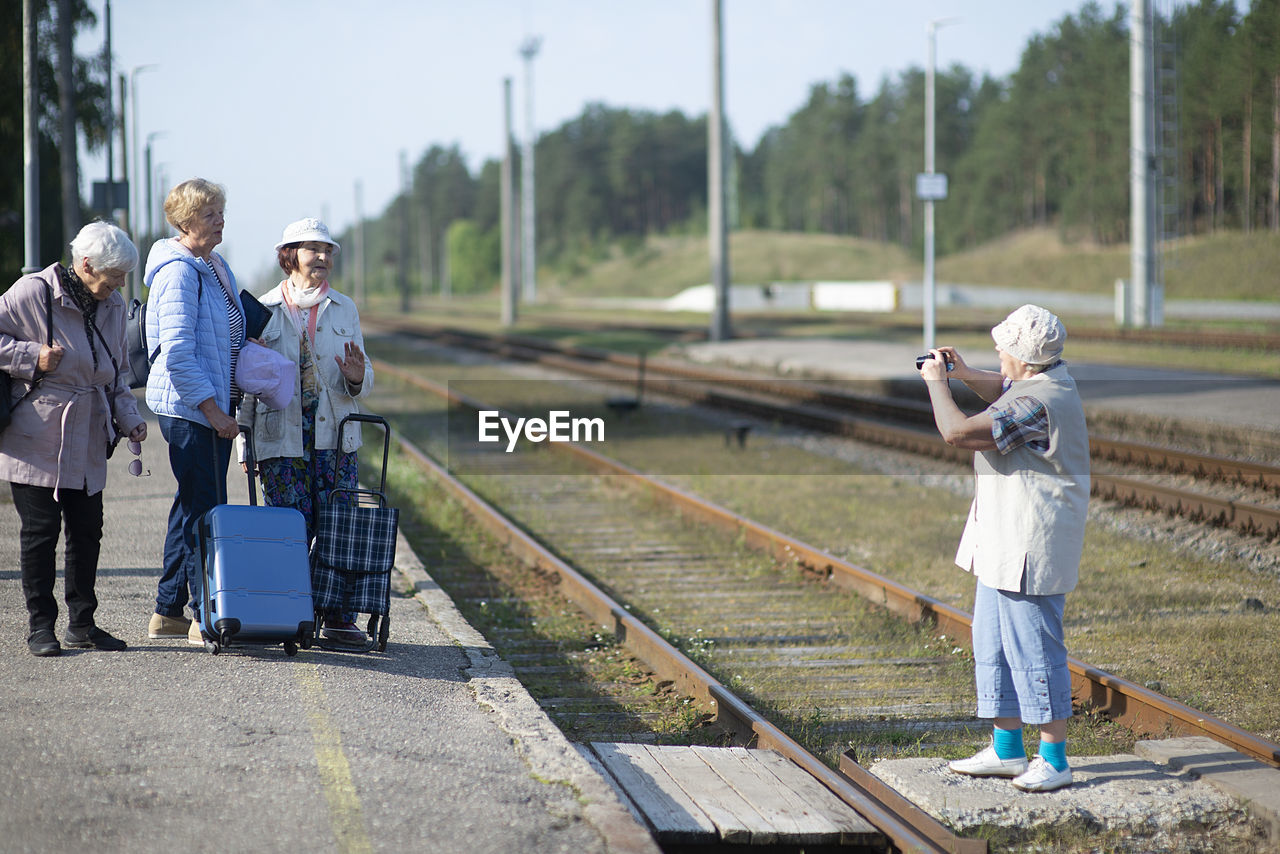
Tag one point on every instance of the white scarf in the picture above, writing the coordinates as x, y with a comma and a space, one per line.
297, 299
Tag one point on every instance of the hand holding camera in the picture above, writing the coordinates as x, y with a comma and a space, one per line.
920, 360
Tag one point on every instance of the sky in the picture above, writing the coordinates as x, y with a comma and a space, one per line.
290, 104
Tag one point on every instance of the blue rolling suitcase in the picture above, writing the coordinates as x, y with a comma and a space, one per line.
257, 574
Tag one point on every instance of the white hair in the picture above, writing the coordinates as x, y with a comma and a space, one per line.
106, 246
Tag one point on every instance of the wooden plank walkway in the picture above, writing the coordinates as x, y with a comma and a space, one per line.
694, 797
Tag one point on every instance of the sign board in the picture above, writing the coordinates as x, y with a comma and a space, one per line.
110, 196
931, 186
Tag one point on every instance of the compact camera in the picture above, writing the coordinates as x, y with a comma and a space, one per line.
920, 360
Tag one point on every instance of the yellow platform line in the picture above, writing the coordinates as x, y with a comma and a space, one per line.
345, 813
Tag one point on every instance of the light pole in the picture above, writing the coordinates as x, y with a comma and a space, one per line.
529, 265
135, 195
30, 141
508, 285
717, 227
931, 188
151, 229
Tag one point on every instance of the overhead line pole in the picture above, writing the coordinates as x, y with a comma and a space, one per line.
135, 192
30, 142
1141, 165
717, 226
508, 285
529, 263
930, 295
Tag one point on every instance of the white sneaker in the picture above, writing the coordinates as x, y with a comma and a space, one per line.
985, 763
1042, 777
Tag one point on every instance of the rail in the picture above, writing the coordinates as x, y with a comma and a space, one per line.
1106, 693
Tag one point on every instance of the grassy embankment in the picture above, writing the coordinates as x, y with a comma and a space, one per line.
1228, 266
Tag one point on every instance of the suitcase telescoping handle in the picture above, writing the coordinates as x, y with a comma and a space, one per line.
220, 483
386, 439
251, 464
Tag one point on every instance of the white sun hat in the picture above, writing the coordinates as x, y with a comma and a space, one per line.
1031, 334
305, 231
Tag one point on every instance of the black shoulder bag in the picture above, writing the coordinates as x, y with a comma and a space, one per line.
6, 381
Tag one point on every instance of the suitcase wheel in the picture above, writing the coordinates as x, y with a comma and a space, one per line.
290, 648
212, 646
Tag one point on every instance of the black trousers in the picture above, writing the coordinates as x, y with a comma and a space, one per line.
42, 517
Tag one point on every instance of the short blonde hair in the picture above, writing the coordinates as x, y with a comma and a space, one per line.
185, 201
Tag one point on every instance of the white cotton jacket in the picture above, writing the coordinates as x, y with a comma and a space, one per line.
1026, 525
278, 432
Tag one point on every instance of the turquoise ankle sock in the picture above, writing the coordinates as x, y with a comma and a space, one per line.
1055, 753
1008, 743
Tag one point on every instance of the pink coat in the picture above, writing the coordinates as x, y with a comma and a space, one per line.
60, 434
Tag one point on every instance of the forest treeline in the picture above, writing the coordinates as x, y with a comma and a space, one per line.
1046, 145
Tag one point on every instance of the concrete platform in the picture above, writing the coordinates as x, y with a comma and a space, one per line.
430, 746
1242, 402
1167, 790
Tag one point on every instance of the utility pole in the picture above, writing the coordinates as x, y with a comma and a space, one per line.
111, 114
718, 234
1142, 246
529, 263
359, 248
930, 186
135, 192
508, 285
402, 274
126, 218
68, 162
151, 230
30, 142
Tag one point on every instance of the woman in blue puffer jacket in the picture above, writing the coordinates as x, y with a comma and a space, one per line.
195, 318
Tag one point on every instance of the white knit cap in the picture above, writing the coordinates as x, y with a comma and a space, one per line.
1031, 334
305, 231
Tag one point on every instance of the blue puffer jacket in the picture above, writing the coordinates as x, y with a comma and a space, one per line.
187, 320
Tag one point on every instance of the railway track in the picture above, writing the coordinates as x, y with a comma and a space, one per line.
1107, 694
808, 638
901, 424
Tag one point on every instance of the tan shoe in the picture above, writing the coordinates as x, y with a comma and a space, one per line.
167, 627
193, 634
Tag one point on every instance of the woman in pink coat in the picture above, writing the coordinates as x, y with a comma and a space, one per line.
70, 408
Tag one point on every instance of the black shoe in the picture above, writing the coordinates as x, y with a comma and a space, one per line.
43, 642
93, 638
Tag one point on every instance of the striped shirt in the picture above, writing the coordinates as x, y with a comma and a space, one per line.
236, 320
1024, 421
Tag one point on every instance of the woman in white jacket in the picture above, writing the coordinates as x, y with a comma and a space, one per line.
299, 453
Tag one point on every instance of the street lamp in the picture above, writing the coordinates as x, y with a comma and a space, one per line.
930, 187
135, 197
529, 266
151, 230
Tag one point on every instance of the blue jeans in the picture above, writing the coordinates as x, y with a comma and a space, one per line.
191, 456
1020, 657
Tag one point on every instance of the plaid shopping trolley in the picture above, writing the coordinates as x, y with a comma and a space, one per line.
355, 548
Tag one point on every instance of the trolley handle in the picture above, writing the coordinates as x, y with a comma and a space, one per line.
386, 439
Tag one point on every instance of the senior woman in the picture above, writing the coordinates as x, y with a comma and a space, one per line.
299, 453
1024, 537
72, 407
196, 321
